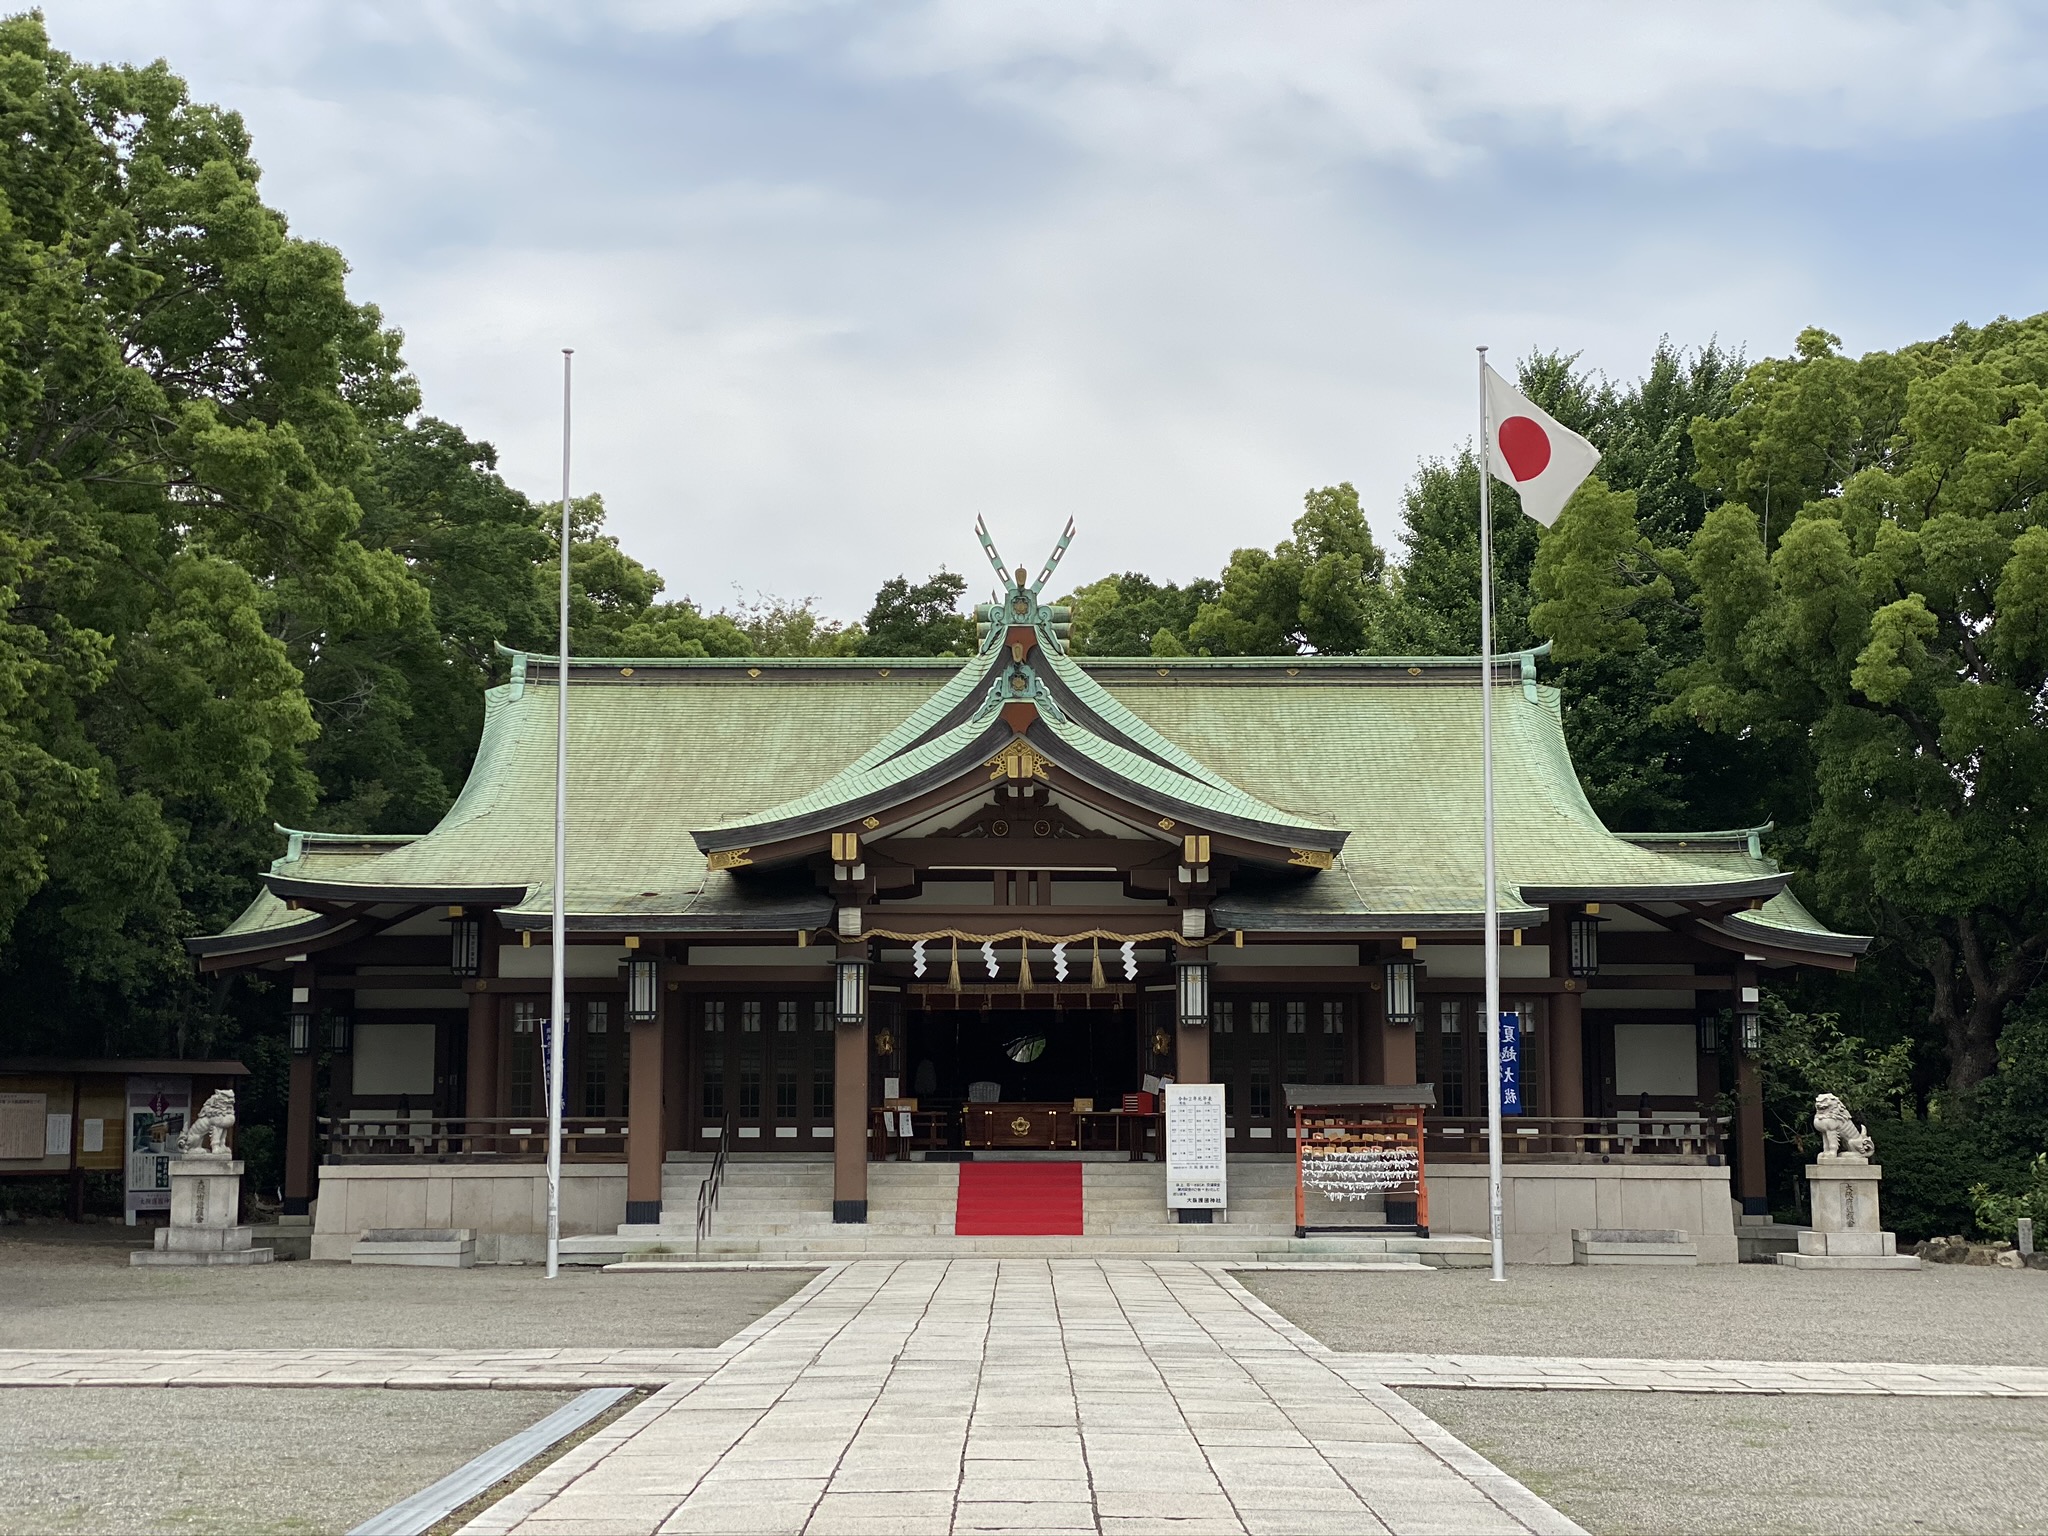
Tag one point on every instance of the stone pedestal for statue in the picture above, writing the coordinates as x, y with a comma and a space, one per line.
206, 1202
1847, 1232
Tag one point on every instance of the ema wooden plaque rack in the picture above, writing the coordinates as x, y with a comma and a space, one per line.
1347, 1154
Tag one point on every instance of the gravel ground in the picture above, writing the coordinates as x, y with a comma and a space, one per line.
1673, 1466
79, 1291
1940, 1314
118, 1460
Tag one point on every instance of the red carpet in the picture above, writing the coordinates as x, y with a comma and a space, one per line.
1019, 1200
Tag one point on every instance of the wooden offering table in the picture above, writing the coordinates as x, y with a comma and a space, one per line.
1049, 1126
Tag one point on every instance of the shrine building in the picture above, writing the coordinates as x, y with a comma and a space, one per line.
835, 911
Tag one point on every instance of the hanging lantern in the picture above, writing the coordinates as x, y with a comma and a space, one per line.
1192, 972
1710, 1034
643, 989
1400, 991
302, 1031
1585, 945
465, 943
850, 988
341, 1033
1749, 1027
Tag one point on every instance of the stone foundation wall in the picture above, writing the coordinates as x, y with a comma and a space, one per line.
505, 1205
1542, 1202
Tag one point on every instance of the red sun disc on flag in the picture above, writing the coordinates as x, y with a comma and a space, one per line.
1526, 447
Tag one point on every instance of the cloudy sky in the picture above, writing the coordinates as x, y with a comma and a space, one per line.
841, 276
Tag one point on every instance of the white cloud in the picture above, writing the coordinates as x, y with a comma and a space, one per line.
841, 277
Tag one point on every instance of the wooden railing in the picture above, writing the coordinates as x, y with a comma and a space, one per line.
1693, 1137
512, 1138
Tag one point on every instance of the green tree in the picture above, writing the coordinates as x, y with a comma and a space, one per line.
1322, 591
920, 620
1133, 615
1884, 643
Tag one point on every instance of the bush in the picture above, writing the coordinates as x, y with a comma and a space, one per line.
256, 1146
1998, 1212
1930, 1170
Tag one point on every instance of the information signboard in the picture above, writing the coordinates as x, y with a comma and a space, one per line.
157, 1111
1195, 1145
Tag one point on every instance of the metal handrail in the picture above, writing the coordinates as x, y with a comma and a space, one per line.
707, 1192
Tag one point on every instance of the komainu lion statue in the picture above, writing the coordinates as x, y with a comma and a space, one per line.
1839, 1132
207, 1135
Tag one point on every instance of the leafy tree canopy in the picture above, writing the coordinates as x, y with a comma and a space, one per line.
921, 620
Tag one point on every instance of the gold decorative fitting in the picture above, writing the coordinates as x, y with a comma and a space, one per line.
881, 671
1165, 671
1021, 1126
1019, 760
1166, 823
729, 858
871, 822
625, 671
1415, 671
753, 671
1408, 941
845, 847
1018, 682
1312, 858
1294, 671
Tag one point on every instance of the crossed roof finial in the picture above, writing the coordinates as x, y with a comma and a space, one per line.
1015, 581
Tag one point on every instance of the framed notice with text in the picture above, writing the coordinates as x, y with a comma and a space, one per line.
1194, 1147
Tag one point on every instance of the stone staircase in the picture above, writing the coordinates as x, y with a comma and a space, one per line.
781, 1209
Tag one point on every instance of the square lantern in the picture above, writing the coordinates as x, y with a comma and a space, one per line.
1749, 1026
302, 1031
465, 945
1585, 951
341, 1033
1192, 972
1710, 1035
1401, 992
850, 989
643, 989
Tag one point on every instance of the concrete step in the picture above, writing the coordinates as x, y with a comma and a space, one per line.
1210, 1244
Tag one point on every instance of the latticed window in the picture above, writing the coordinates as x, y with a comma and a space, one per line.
1261, 1017
1333, 1040
750, 1060
1222, 1016
822, 1063
785, 1093
1294, 1042
1262, 1091
525, 1063
713, 1091
597, 1058
1450, 1063
785, 1017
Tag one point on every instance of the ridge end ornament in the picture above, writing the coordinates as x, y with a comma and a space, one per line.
1312, 858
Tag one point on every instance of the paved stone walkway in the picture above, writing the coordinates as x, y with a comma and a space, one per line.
1014, 1394
1023, 1395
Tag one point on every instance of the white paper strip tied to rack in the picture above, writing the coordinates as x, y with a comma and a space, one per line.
1357, 1173
1358, 1163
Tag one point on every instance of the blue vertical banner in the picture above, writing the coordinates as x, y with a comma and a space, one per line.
1510, 1063
547, 1051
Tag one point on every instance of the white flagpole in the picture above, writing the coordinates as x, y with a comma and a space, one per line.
558, 1007
1486, 795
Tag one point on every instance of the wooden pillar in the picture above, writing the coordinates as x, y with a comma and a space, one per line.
646, 1145
1750, 1187
850, 1056
301, 1126
1191, 1043
480, 1092
1567, 1027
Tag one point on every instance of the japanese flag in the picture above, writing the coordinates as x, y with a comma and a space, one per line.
1531, 452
